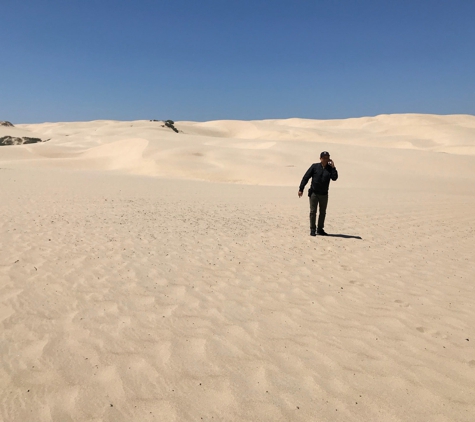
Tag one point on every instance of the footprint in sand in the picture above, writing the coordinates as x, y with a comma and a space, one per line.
359, 283
401, 302
435, 334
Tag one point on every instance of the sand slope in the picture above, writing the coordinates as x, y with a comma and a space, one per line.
175, 298
250, 152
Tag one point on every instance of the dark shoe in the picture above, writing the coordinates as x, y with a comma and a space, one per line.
322, 232
313, 233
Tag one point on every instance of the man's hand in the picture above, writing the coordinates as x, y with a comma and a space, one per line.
300, 194
331, 163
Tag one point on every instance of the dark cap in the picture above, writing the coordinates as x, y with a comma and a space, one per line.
324, 154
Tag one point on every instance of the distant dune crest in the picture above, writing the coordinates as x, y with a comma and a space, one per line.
269, 152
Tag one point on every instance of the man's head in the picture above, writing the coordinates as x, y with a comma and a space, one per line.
324, 157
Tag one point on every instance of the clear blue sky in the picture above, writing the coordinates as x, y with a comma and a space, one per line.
234, 59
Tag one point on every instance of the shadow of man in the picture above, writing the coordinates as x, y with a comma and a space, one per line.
344, 236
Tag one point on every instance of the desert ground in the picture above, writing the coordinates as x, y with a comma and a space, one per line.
148, 275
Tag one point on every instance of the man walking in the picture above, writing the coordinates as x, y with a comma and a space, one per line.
321, 174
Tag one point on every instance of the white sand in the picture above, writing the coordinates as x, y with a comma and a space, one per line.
197, 294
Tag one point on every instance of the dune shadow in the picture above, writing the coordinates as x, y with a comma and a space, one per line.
345, 236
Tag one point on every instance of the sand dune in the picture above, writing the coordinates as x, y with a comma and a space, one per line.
150, 275
250, 152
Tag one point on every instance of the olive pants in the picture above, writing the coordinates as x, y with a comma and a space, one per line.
322, 202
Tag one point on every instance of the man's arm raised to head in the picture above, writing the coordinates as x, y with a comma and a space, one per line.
334, 174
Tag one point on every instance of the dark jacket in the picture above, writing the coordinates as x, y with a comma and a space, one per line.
321, 177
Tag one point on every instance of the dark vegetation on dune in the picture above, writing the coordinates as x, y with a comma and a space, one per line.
14, 140
168, 123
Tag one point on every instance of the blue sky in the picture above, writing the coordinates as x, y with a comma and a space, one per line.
226, 59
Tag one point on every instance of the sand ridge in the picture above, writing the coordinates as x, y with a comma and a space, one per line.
250, 152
